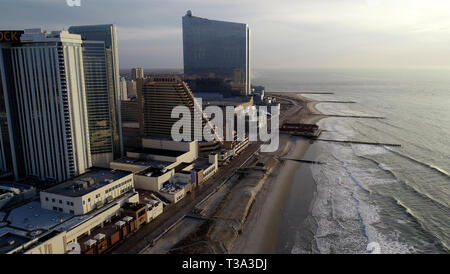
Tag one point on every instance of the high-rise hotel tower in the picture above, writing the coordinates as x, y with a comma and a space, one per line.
102, 152
216, 49
44, 102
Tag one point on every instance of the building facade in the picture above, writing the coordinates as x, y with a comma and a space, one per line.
123, 89
6, 161
108, 34
216, 51
156, 99
87, 192
98, 104
11, 150
137, 73
131, 88
48, 101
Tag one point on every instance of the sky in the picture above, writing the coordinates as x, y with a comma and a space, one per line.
285, 34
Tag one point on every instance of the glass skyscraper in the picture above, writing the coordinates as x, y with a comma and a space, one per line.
108, 35
98, 105
216, 50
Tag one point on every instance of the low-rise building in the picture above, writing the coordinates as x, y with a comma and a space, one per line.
43, 231
154, 204
208, 166
137, 211
89, 191
172, 192
153, 178
154, 209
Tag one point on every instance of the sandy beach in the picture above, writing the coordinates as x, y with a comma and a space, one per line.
244, 214
261, 229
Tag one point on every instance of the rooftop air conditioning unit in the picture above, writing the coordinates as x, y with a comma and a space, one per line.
89, 181
81, 184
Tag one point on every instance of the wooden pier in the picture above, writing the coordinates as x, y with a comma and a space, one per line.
328, 93
338, 102
303, 161
348, 116
358, 142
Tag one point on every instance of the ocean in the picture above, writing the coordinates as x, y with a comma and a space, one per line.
394, 198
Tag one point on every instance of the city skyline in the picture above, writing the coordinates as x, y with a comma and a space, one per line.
101, 159
365, 33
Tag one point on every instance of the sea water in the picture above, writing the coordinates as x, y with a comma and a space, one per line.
395, 197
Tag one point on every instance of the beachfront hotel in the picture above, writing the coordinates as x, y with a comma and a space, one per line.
149, 115
70, 119
108, 35
45, 102
216, 55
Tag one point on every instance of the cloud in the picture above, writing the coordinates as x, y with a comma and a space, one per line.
142, 34
285, 33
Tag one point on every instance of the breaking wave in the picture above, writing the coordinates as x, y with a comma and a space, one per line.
433, 167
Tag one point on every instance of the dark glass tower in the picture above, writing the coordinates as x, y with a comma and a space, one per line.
217, 50
98, 104
108, 35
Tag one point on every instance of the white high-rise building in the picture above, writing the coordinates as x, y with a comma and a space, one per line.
51, 100
137, 73
123, 88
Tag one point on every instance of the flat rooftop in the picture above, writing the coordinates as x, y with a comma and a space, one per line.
224, 103
22, 185
202, 163
142, 162
147, 197
152, 172
133, 206
99, 177
182, 166
170, 188
161, 152
31, 217
10, 241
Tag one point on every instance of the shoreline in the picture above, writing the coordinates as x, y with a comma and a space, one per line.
245, 214
261, 230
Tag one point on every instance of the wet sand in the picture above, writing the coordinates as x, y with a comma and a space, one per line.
261, 230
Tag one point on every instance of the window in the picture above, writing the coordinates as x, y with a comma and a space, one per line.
71, 203
55, 208
60, 201
60, 209
53, 200
72, 212
68, 203
46, 199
